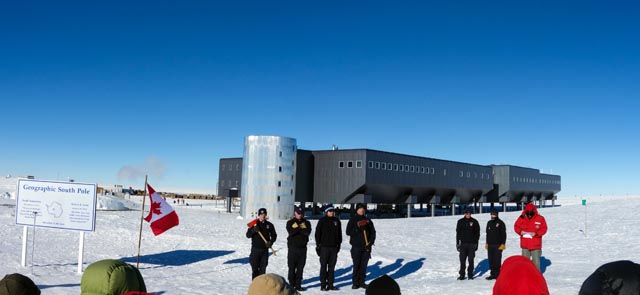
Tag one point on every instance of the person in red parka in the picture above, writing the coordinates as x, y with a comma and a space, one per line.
519, 276
531, 226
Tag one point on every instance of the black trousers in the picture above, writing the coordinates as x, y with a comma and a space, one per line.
360, 257
495, 259
296, 259
467, 252
328, 259
259, 258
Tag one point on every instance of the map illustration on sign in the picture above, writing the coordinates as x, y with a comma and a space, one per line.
55, 209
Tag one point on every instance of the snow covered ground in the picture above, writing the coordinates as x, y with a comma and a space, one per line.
208, 252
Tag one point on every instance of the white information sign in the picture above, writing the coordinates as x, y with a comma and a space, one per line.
63, 205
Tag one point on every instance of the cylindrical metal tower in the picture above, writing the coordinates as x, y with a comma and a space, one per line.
268, 176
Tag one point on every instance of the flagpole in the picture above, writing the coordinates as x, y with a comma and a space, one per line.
141, 219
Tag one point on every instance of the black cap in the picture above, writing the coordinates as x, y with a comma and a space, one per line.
361, 205
262, 211
467, 210
494, 212
298, 210
328, 207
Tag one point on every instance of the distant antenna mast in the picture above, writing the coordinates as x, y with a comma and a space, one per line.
334, 147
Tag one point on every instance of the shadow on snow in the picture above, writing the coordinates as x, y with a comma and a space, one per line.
395, 270
177, 257
483, 266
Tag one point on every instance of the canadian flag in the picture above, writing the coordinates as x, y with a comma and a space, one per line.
161, 215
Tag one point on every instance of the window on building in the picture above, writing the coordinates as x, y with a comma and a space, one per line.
412, 168
383, 166
237, 167
279, 168
279, 184
341, 164
293, 163
370, 164
358, 164
402, 168
461, 173
350, 164
280, 153
422, 170
395, 167
377, 165
278, 198
468, 174
291, 177
406, 168
389, 166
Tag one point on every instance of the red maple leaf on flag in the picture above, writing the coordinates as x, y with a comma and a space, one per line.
155, 208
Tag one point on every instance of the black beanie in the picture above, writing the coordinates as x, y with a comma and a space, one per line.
494, 212
17, 284
384, 285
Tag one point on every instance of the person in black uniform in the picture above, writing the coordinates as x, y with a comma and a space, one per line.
467, 236
260, 244
496, 239
299, 230
363, 235
328, 240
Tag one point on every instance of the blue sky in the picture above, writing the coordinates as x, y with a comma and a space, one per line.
90, 90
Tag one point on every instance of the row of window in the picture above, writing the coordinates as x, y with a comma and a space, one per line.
223, 167
401, 168
229, 183
535, 180
475, 175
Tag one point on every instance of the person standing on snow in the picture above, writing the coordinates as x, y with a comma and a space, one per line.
531, 226
328, 240
299, 230
262, 234
363, 235
496, 239
467, 236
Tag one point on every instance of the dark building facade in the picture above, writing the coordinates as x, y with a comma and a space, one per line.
371, 176
230, 177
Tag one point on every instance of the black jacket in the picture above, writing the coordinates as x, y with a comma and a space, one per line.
329, 232
299, 231
467, 231
496, 232
267, 230
357, 232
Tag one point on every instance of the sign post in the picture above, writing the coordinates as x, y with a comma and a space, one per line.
61, 205
584, 203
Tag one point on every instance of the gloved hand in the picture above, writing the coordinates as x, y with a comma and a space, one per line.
475, 247
294, 225
501, 247
303, 226
486, 246
318, 250
255, 228
269, 244
458, 246
362, 223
